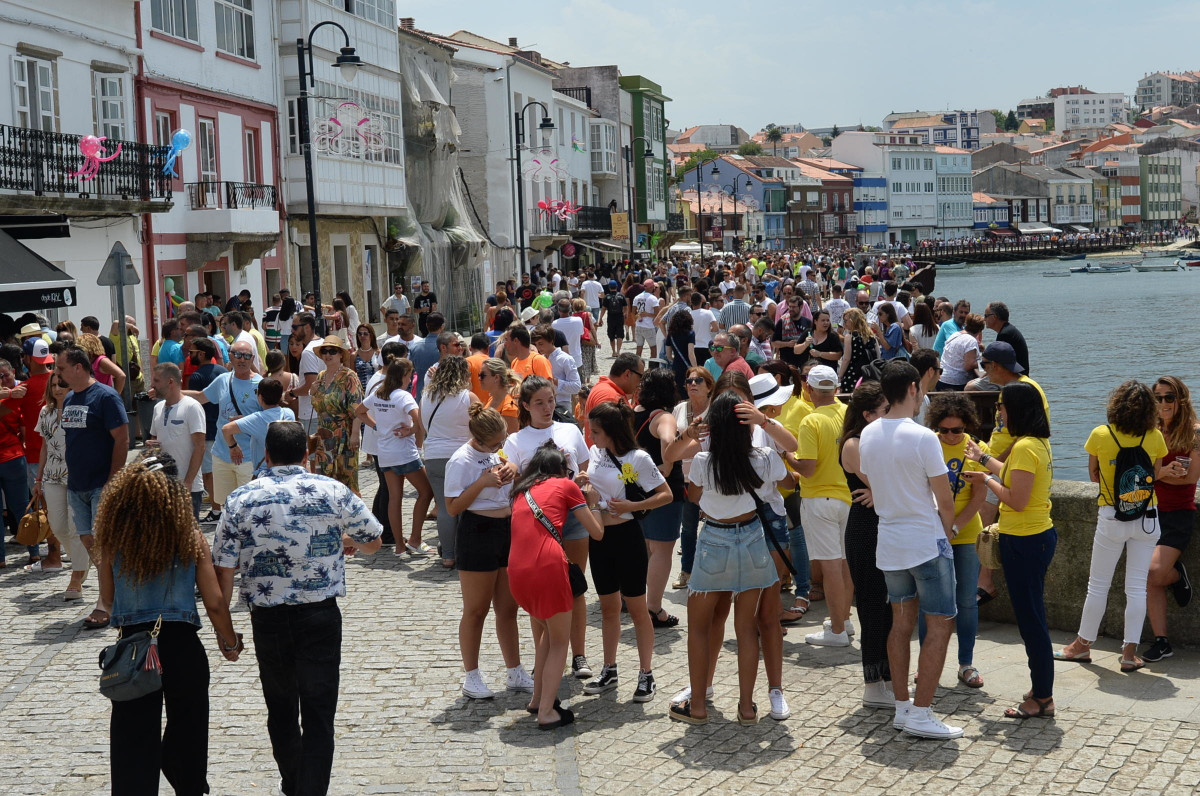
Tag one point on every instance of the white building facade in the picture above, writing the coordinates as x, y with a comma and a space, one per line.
1076, 113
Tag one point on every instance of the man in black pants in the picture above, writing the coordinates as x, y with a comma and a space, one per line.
292, 590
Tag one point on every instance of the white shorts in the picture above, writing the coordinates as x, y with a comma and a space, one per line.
824, 523
643, 335
228, 477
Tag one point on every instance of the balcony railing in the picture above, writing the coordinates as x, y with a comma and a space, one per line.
44, 163
230, 196
588, 219
675, 222
582, 93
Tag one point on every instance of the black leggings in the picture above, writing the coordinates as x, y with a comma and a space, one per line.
619, 560
870, 592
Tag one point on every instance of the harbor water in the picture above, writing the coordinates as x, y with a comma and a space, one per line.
1087, 334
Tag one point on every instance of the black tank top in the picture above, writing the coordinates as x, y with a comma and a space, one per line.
653, 446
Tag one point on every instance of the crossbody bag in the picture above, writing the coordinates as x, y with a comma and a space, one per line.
574, 573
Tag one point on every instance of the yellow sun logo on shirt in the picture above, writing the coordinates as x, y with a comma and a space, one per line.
628, 474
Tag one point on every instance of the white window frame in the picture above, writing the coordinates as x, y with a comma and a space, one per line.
206, 150
109, 108
176, 18
250, 153
235, 27
31, 97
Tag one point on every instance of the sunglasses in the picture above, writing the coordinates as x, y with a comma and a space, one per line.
241, 355
1169, 398
864, 303
948, 430
364, 332
639, 375
63, 385
329, 351
716, 349
693, 380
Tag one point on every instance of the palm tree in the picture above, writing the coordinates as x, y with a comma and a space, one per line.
774, 136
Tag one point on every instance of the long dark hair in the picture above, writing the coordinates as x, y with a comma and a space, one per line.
547, 462
616, 421
865, 397
681, 323
732, 468
396, 377
1026, 415
287, 308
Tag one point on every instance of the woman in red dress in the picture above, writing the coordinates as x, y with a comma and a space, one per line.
538, 570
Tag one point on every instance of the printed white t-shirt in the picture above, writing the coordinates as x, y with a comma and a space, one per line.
609, 473
390, 414
464, 468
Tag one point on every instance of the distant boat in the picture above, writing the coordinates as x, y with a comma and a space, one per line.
1056, 273
1092, 268
1066, 258
1192, 255
950, 266
1145, 267
1190, 263
1158, 252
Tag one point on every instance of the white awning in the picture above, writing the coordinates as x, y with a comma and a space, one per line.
1036, 228
601, 245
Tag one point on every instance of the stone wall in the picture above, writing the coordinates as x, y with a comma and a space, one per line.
1074, 515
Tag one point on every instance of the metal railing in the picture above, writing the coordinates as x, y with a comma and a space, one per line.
581, 93
42, 162
596, 219
675, 222
588, 219
211, 195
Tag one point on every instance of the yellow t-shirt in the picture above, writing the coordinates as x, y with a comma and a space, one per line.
260, 343
796, 409
957, 462
1031, 455
1100, 444
818, 439
1001, 439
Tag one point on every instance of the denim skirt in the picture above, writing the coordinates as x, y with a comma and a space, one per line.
732, 559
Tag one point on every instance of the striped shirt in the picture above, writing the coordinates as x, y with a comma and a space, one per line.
733, 313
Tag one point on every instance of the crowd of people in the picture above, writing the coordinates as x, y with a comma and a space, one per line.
801, 430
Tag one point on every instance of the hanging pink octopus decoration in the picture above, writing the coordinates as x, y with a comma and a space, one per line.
349, 131
558, 208
94, 154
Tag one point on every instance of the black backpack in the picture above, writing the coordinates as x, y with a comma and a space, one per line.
1132, 488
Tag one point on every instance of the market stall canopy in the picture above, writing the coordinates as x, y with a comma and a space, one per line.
30, 282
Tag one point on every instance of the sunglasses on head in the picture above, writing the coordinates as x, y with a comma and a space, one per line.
1169, 398
329, 350
241, 355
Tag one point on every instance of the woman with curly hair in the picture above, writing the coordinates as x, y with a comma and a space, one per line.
859, 349
1176, 510
151, 559
444, 409
1132, 423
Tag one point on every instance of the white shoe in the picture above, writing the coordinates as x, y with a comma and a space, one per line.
923, 724
827, 638
686, 694
903, 711
519, 680
475, 687
878, 695
828, 624
779, 705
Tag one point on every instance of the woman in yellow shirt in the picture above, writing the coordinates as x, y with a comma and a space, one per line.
952, 417
1132, 422
1027, 535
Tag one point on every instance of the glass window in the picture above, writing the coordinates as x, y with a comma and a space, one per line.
207, 147
35, 93
109, 104
251, 154
175, 17
235, 27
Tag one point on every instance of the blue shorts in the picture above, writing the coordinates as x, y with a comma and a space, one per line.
732, 559
573, 529
663, 523
931, 584
406, 468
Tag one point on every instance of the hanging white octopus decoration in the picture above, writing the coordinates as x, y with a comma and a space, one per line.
349, 131
543, 166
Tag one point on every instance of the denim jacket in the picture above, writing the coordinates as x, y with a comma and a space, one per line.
171, 595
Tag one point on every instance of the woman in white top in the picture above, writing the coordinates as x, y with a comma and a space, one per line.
535, 415
393, 413
924, 330
444, 406
619, 560
476, 492
732, 562
960, 357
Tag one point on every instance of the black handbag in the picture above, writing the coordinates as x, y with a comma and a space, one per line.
131, 668
574, 573
633, 491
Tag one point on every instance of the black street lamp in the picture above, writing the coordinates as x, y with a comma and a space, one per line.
736, 179
716, 172
546, 129
348, 62
648, 156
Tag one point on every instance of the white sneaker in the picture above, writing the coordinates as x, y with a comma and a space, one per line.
519, 680
686, 694
779, 705
828, 625
827, 638
878, 695
903, 711
923, 724
475, 687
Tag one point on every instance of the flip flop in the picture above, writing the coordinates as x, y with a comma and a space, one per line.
974, 681
682, 711
72, 594
1128, 666
983, 597
90, 623
745, 721
792, 616
534, 711
565, 717
37, 567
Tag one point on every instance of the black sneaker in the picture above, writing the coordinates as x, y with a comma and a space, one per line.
580, 668
1181, 589
211, 516
1161, 648
645, 687
607, 681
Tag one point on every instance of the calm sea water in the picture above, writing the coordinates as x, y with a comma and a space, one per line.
1087, 334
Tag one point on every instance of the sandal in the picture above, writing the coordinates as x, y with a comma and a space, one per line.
816, 594
93, 622
747, 721
682, 711
974, 681
565, 717
983, 597
534, 711
658, 621
72, 594
1128, 666
1083, 657
793, 615
37, 566
1021, 713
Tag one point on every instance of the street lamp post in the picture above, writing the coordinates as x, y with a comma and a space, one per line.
700, 202
733, 192
648, 155
546, 129
348, 62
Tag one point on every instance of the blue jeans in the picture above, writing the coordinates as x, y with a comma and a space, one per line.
14, 483
687, 535
799, 547
966, 622
83, 504
1025, 560
930, 583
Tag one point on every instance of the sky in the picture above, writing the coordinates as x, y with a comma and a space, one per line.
841, 62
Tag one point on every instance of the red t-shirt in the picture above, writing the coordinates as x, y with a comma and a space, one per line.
31, 407
741, 366
537, 566
10, 431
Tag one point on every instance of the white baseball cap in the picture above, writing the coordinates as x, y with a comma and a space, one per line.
823, 377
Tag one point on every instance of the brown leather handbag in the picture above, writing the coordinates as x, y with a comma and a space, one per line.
35, 525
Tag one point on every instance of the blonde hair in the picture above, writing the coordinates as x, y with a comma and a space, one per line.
855, 322
485, 423
453, 376
498, 367
91, 344
578, 305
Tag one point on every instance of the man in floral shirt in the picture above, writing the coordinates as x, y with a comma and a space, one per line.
287, 533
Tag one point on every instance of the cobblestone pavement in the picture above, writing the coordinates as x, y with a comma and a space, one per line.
403, 726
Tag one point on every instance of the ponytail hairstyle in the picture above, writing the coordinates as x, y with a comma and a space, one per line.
485, 423
397, 377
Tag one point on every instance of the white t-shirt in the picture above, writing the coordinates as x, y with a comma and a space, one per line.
765, 462
681, 422
520, 447
767, 493
309, 363
572, 329
464, 468
702, 321
370, 437
644, 302
727, 286
174, 427
837, 308
953, 355
898, 457
446, 431
591, 290
400, 304
609, 478
391, 413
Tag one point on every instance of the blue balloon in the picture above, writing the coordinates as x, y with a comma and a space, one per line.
179, 142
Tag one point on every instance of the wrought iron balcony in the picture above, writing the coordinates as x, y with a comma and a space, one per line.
675, 222
48, 165
588, 219
582, 93
231, 196
593, 219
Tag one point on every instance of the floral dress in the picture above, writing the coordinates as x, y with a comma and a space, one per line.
862, 352
334, 405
